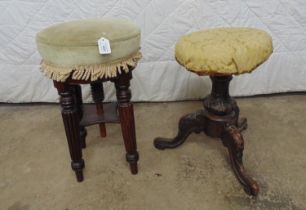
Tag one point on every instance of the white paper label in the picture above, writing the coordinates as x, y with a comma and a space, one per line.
104, 46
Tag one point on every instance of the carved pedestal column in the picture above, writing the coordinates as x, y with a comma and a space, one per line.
126, 114
71, 121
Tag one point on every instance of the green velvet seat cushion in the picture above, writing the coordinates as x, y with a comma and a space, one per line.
71, 49
76, 42
224, 51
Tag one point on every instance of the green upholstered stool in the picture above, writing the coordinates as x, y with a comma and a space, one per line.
71, 57
220, 53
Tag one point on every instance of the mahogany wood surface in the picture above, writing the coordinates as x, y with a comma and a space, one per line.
110, 115
126, 115
79, 103
98, 97
71, 121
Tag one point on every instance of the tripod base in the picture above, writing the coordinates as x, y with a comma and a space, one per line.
219, 119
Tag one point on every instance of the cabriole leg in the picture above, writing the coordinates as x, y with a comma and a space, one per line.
234, 142
194, 122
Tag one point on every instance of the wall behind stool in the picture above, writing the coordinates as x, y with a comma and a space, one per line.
158, 77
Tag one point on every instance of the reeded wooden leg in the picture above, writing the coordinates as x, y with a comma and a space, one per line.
194, 122
126, 114
71, 122
79, 103
98, 97
233, 140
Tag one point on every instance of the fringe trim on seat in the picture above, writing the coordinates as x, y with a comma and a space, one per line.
89, 72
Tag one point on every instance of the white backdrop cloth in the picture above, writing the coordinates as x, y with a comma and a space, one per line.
158, 77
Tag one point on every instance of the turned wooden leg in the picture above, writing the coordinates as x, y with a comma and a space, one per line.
71, 122
79, 103
98, 97
126, 114
193, 122
233, 140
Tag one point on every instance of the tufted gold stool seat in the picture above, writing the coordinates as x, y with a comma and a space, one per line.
220, 53
223, 51
71, 56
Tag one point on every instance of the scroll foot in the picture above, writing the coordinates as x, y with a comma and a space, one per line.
194, 122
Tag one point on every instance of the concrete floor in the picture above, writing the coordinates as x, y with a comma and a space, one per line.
35, 165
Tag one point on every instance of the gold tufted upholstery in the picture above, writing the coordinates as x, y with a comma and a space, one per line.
223, 51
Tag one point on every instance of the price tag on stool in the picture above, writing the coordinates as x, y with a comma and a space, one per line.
104, 46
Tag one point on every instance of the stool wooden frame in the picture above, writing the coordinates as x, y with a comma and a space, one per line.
76, 116
220, 119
